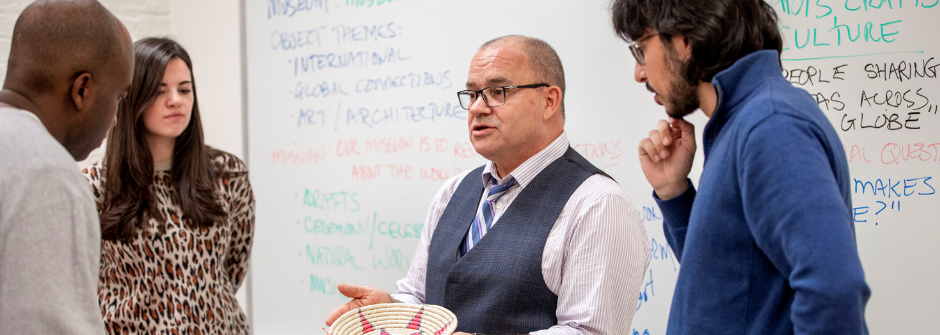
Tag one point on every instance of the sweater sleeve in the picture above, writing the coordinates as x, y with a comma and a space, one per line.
242, 219
93, 174
676, 213
800, 220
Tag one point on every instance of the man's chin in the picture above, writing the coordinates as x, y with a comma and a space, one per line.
679, 113
481, 150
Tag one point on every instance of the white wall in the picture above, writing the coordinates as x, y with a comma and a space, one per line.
210, 32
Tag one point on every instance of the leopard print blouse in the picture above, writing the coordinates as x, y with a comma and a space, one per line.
184, 280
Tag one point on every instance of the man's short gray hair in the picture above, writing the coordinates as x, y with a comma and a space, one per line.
543, 60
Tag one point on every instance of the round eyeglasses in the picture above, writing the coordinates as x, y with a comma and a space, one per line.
637, 52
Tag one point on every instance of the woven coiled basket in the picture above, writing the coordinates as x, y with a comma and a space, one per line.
396, 319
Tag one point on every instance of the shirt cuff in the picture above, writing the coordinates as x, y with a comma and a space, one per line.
407, 298
676, 211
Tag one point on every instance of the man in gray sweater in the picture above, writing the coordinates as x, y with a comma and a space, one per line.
70, 64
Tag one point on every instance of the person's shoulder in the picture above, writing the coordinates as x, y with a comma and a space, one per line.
601, 195
33, 162
597, 189
26, 143
599, 186
781, 108
95, 175
226, 162
45, 182
780, 98
94, 172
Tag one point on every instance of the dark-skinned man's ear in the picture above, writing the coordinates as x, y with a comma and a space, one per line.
81, 94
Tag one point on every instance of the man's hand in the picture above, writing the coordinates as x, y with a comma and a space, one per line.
666, 157
362, 296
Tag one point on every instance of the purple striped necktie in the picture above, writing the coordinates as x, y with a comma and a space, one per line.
483, 221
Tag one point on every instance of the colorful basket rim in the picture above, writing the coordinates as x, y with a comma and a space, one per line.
396, 318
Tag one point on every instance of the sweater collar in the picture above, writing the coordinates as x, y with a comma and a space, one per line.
736, 83
162, 166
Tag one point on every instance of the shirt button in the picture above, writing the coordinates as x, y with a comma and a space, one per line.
499, 205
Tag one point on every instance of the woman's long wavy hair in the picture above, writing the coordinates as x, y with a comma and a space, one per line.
129, 202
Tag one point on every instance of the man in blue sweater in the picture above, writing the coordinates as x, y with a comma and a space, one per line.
767, 245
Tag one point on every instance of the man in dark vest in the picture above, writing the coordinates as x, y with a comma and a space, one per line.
538, 240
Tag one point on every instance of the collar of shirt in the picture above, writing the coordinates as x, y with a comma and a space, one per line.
528, 170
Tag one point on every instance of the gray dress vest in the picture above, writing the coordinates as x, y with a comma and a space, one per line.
497, 287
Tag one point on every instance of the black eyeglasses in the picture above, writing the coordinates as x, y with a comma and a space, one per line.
493, 96
637, 52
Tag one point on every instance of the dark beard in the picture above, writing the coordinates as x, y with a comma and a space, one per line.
684, 99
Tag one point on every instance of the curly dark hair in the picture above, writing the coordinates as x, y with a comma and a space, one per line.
719, 31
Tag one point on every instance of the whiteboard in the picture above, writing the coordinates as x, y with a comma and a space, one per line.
353, 125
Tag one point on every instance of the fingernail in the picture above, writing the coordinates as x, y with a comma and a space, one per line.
664, 153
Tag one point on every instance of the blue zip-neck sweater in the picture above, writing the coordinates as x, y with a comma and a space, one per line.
767, 245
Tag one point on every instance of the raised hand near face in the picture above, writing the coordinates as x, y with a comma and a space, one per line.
666, 157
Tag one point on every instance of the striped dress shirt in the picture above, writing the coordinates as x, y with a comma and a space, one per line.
594, 258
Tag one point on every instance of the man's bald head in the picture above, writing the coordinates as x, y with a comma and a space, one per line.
53, 41
543, 59
70, 63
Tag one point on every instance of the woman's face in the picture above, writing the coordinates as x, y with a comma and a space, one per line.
169, 115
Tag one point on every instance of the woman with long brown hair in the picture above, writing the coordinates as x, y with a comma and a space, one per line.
177, 216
